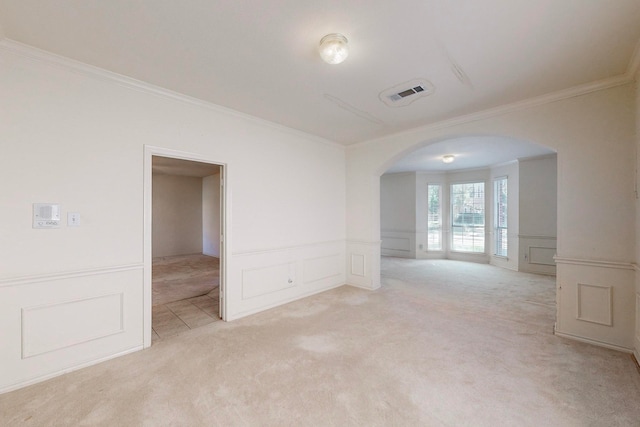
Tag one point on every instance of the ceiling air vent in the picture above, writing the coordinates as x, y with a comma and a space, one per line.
406, 93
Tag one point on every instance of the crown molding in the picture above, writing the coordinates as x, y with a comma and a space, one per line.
43, 56
39, 55
549, 98
540, 157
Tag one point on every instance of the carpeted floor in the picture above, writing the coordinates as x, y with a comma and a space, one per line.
443, 343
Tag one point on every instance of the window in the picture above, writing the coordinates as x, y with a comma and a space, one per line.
434, 215
500, 215
467, 217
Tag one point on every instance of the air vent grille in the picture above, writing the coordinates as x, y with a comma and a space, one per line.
400, 95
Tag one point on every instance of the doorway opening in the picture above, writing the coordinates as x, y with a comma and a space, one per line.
495, 202
184, 243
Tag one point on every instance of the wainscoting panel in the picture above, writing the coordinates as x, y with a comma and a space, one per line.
363, 269
315, 269
359, 265
265, 280
275, 276
398, 243
596, 302
51, 327
402, 244
536, 254
56, 323
542, 256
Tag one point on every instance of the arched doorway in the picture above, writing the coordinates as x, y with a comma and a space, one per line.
493, 202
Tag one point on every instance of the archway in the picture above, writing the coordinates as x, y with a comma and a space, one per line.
592, 135
420, 217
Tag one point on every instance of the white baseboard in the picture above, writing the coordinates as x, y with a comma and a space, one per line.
240, 315
362, 287
67, 370
593, 342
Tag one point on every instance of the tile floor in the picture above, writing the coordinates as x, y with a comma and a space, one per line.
175, 317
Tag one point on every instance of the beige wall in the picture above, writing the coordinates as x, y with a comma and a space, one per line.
211, 215
398, 214
538, 215
177, 215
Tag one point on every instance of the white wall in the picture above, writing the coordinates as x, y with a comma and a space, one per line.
538, 214
398, 214
593, 134
177, 215
512, 172
74, 135
211, 215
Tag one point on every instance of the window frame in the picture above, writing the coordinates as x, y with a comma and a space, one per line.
500, 231
439, 229
453, 212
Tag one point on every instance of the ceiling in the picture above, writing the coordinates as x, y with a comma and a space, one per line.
260, 57
469, 152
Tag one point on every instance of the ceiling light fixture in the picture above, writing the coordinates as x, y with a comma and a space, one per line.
333, 48
449, 158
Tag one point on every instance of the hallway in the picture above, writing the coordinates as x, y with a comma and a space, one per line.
185, 293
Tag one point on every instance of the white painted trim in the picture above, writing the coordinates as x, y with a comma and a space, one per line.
365, 243
609, 303
362, 287
67, 370
507, 108
286, 248
40, 55
594, 263
533, 236
24, 280
593, 342
25, 351
540, 157
149, 152
282, 302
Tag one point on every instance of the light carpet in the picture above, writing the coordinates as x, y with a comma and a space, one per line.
442, 343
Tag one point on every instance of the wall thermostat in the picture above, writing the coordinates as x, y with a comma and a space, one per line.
46, 215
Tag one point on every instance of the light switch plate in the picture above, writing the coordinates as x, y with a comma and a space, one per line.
73, 219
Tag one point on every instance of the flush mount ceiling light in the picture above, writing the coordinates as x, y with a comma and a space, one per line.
333, 48
449, 158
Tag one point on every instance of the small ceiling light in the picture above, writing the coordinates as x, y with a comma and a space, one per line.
449, 158
333, 48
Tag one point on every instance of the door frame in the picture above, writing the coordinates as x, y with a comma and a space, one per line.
149, 152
